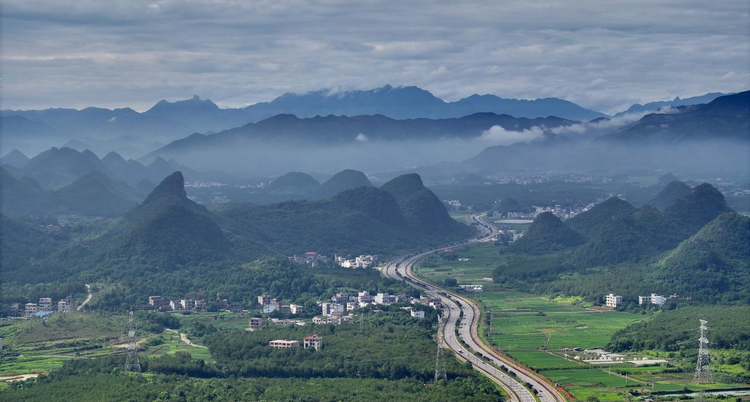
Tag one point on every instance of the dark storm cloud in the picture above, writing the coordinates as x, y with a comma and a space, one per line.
603, 55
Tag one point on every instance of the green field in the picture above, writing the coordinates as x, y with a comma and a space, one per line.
39, 346
535, 330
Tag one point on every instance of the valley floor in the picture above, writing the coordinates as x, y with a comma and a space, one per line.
553, 335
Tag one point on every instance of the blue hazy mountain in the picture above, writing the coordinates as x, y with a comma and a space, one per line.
726, 117
170, 120
676, 102
342, 130
412, 102
15, 158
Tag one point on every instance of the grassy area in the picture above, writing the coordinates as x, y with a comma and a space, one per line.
172, 344
36, 345
535, 330
39, 346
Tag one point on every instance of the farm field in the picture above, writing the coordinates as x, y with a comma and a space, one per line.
539, 331
40, 346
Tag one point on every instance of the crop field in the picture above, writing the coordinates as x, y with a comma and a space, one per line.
534, 329
483, 260
39, 346
36, 345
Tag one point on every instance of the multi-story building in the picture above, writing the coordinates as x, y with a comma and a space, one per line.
45, 304
200, 304
612, 300
269, 308
295, 308
255, 323
187, 304
155, 301
313, 341
341, 297
31, 309
331, 308
384, 298
175, 305
364, 297
283, 344
264, 300
653, 299
64, 306
417, 313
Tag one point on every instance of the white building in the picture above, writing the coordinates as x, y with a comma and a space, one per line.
653, 299
472, 288
417, 313
364, 297
331, 308
362, 261
313, 341
269, 308
613, 300
283, 344
295, 309
384, 298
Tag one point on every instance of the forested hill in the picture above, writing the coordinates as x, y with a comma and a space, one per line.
546, 234
422, 209
697, 247
170, 237
670, 194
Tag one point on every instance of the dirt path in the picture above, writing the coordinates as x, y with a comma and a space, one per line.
88, 298
21, 377
185, 339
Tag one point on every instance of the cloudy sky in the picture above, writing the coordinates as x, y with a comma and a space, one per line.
603, 55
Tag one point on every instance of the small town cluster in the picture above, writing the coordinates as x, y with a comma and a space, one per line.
44, 307
339, 309
559, 211
314, 259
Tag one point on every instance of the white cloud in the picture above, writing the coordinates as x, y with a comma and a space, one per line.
601, 55
497, 135
361, 138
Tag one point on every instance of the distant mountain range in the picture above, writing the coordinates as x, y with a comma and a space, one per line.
59, 167
182, 118
676, 102
289, 131
726, 117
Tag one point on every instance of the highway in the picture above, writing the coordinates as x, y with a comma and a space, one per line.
464, 313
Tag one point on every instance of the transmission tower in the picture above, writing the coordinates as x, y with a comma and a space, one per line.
132, 364
440, 360
703, 368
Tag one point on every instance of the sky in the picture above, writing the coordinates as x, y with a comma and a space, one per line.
603, 55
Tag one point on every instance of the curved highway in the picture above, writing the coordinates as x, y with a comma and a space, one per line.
464, 314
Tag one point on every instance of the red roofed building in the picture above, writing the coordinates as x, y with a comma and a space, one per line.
313, 341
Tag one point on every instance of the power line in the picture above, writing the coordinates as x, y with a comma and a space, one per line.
132, 364
440, 372
703, 367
